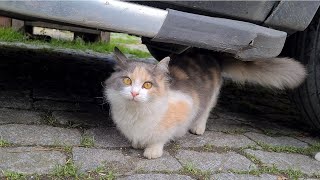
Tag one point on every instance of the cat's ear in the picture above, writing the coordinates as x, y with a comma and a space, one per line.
121, 58
163, 65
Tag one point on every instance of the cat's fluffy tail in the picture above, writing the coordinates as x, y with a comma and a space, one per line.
278, 73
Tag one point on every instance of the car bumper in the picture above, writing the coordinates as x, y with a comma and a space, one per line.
244, 40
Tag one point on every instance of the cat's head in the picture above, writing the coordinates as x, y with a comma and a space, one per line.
137, 82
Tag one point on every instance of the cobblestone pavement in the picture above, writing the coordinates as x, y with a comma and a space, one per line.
55, 125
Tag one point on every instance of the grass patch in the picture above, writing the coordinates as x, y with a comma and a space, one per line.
13, 175
67, 170
67, 149
87, 141
102, 174
124, 38
191, 170
4, 143
49, 120
9, 35
290, 149
208, 147
289, 173
251, 158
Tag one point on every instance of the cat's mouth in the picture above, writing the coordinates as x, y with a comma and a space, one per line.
134, 99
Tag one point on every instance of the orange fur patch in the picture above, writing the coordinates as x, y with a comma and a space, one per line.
178, 73
140, 73
177, 113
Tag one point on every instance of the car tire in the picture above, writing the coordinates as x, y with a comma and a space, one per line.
157, 53
305, 47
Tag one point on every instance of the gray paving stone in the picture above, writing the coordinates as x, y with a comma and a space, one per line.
39, 135
310, 140
15, 99
89, 159
92, 119
156, 176
228, 122
215, 161
9, 116
231, 176
288, 161
218, 139
63, 106
107, 137
276, 141
30, 160
165, 163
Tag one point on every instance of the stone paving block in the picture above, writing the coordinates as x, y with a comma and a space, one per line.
89, 159
310, 140
64, 106
39, 135
92, 119
107, 137
156, 176
15, 99
165, 163
276, 141
288, 161
218, 139
215, 161
30, 160
231, 176
9, 116
228, 122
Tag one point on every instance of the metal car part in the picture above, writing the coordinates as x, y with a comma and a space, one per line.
109, 15
244, 40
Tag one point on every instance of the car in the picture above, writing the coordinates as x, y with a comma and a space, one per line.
248, 30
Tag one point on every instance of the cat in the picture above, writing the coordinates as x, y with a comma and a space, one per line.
154, 103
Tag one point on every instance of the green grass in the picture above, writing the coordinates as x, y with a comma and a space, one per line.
9, 35
87, 141
4, 143
67, 170
49, 120
290, 149
102, 174
290, 173
10, 175
208, 147
190, 169
67, 149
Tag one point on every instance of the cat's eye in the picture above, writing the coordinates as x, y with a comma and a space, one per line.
147, 85
127, 81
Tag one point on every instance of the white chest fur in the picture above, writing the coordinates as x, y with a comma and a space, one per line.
138, 121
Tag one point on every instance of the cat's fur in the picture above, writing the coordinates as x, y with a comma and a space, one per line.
183, 93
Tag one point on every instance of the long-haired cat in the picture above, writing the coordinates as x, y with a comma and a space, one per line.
153, 103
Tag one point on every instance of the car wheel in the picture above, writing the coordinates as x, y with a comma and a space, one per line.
305, 47
157, 53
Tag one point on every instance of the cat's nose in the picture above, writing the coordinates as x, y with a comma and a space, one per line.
134, 94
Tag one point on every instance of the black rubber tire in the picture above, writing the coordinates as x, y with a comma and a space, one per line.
305, 47
157, 53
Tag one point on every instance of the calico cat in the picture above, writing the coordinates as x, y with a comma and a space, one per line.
153, 103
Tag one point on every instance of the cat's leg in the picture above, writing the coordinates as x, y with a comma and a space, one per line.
136, 145
154, 150
199, 124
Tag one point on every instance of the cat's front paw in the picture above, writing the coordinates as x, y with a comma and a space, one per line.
153, 152
198, 129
